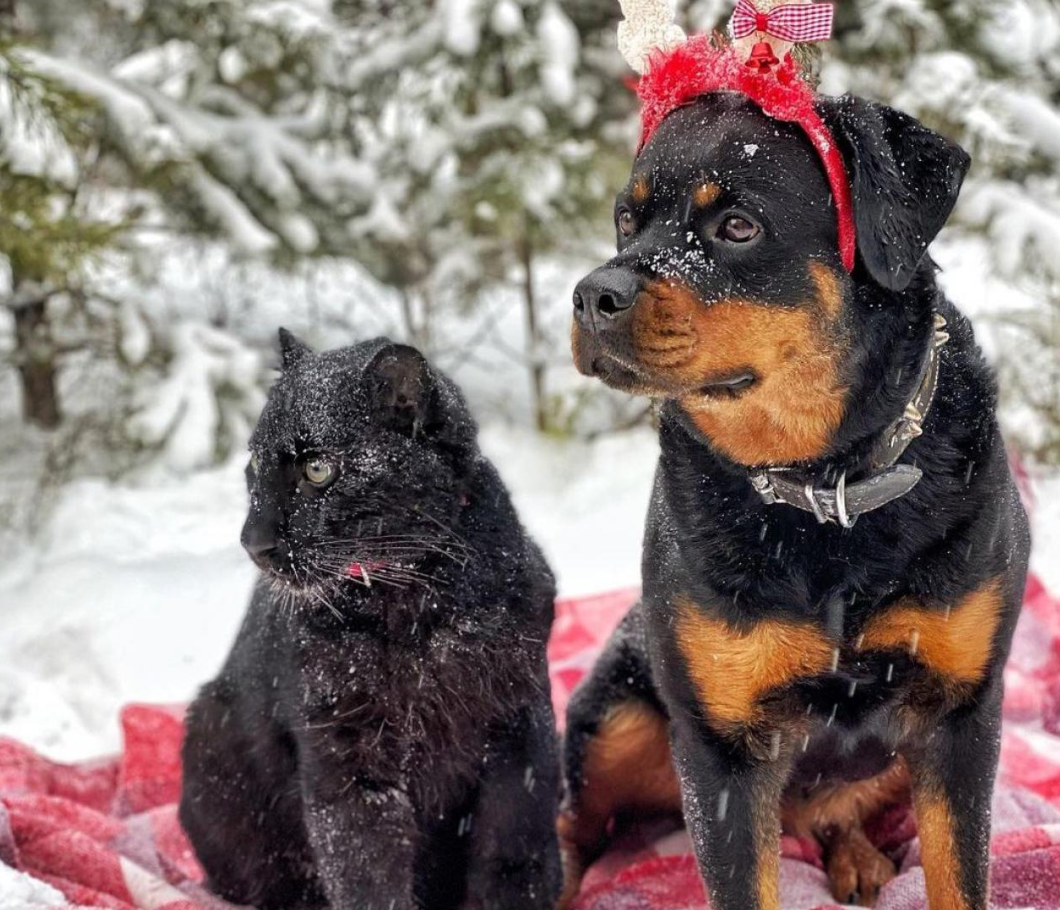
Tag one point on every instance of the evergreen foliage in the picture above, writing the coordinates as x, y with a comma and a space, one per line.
450, 147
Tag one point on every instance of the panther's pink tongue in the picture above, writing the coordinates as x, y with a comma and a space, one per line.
360, 570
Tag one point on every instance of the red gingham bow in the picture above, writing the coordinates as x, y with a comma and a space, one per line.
795, 22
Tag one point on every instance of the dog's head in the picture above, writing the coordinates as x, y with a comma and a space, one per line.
728, 293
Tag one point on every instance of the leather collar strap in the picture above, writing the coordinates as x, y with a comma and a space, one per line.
886, 480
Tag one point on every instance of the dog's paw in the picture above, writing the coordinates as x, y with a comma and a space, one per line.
856, 869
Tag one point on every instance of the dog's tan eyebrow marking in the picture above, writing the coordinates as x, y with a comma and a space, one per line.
641, 189
705, 193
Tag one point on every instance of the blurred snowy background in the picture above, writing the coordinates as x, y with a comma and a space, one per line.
180, 177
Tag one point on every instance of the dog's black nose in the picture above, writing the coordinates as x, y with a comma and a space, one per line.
606, 293
259, 540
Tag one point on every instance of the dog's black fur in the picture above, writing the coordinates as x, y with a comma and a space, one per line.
389, 745
739, 565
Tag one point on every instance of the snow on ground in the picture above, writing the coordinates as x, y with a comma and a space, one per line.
23, 892
135, 592
1046, 530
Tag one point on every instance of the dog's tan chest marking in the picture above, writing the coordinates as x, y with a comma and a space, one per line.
956, 643
733, 668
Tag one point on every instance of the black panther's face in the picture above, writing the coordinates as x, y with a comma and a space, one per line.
354, 468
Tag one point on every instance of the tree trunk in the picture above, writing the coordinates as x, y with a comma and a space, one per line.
408, 314
426, 339
8, 15
416, 314
533, 336
35, 360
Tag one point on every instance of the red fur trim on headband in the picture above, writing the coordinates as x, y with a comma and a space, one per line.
696, 67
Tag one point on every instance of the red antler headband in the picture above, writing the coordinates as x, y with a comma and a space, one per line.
676, 70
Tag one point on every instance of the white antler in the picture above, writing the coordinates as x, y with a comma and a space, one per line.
648, 25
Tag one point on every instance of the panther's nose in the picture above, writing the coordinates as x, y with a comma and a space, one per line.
259, 540
605, 294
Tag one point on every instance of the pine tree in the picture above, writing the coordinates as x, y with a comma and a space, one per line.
46, 238
505, 126
446, 146
452, 146
80, 152
226, 110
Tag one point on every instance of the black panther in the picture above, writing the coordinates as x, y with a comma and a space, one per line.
381, 734
836, 550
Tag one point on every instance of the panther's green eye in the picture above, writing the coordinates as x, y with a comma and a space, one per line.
254, 463
318, 472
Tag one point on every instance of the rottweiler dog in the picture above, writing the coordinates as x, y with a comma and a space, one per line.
835, 552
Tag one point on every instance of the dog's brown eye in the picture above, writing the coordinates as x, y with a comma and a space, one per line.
738, 230
626, 222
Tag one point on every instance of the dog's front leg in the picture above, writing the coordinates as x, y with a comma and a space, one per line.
363, 837
953, 768
732, 808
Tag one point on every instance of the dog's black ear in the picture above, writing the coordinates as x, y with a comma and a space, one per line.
904, 180
292, 351
401, 387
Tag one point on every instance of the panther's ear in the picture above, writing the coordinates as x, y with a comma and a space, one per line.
292, 351
400, 387
904, 180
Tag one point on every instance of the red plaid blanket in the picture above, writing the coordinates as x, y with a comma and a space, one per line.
104, 834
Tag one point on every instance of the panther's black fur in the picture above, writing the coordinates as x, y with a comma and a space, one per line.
381, 735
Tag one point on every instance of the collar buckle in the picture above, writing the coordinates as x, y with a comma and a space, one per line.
764, 487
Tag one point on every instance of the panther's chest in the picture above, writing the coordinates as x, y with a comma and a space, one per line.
391, 709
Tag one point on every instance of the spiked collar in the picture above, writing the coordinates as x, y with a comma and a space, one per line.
883, 480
